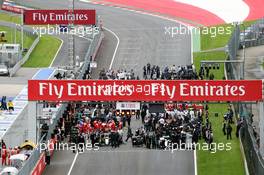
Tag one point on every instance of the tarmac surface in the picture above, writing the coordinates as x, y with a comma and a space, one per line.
142, 40
125, 160
11, 87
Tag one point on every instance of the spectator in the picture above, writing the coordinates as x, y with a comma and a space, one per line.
47, 157
239, 125
207, 72
128, 120
148, 68
4, 156
3, 103
229, 131
10, 106
224, 127
211, 77
129, 133
138, 114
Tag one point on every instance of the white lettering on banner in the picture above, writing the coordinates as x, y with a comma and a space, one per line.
71, 88
40, 17
59, 17
206, 90
52, 89
152, 90
183, 88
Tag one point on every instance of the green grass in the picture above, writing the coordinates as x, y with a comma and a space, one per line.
221, 162
10, 18
218, 36
216, 55
44, 52
10, 37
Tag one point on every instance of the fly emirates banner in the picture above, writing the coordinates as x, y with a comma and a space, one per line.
144, 90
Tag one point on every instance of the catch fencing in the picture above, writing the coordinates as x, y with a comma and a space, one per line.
247, 37
250, 141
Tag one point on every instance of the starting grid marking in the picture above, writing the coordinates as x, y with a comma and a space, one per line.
131, 151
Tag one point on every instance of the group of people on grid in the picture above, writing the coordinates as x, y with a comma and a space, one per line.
117, 75
182, 123
6, 153
179, 124
6, 105
173, 72
204, 73
95, 123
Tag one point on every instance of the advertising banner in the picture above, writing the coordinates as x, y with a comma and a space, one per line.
52, 17
39, 168
144, 90
12, 8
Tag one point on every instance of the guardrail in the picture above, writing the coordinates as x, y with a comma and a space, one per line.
36, 155
31, 162
91, 54
14, 69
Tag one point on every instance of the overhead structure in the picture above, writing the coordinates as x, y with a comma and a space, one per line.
71, 39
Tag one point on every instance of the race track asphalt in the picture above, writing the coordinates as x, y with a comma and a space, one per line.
142, 40
142, 37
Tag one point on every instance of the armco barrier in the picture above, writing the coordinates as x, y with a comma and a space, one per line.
36, 155
91, 53
36, 163
14, 69
31, 163
40, 166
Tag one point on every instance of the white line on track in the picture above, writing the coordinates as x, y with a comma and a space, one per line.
117, 45
56, 53
133, 151
195, 162
73, 163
